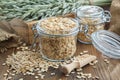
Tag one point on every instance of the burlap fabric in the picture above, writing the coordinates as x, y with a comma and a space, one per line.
7, 38
11, 33
115, 20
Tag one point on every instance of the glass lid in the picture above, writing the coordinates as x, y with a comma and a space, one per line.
107, 42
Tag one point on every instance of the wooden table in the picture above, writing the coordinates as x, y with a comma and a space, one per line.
103, 70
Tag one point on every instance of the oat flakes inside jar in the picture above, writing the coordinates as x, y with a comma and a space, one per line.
58, 37
91, 19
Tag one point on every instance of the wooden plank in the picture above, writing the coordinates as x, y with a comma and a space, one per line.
105, 71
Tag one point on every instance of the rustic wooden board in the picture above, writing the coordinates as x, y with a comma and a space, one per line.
105, 71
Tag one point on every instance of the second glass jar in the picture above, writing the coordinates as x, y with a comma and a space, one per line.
91, 19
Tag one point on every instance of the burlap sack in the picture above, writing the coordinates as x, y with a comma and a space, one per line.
20, 28
11, 33
115, 20
7, 38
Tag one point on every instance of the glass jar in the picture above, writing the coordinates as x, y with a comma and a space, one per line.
57, 37
91, 19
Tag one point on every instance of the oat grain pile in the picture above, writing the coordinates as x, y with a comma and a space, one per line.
57, 25
24, 61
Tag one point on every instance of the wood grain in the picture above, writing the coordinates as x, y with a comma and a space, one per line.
105, 71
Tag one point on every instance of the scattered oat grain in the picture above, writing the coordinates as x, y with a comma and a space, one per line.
96, 61
96, 77
4, 64
5, 74
33, 50
9, 78
78, 70
85, 51
72, 72
67, 75
42, 76
21, 79
78, 73
83, 76
24, 44
14, 71
79, 77
106, 60
81, 53
36, 77
18, 47
26, 48
13, 74
52, 74
8, 71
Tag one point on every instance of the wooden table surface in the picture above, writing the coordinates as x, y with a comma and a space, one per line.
103, 70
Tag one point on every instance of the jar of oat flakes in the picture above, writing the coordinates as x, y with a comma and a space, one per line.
57, 36
91, 19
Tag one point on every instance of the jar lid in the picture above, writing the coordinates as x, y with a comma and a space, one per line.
107, 42
89, 11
